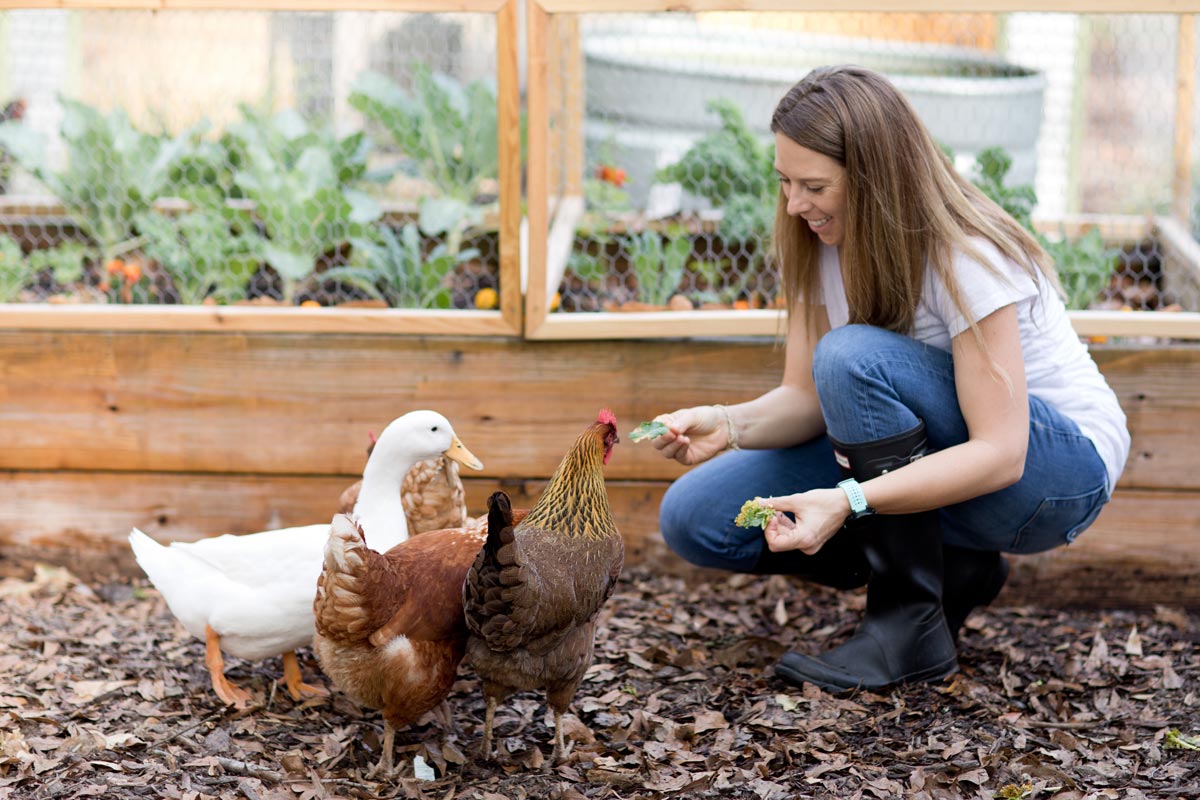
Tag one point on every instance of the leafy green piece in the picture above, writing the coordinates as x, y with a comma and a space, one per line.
754, 513
647, 430
1177, 741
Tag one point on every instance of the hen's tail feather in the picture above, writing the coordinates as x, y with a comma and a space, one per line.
339, 609
499, 518
482, 599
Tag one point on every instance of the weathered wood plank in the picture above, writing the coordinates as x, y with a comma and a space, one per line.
82, 519
1159, 389
302, 405
290, 404
1143, 550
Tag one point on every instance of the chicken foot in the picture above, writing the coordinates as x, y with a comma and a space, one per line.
385, 767
489, 717
234, 696
294, 681
559, 753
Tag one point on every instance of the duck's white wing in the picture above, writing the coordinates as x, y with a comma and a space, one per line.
286, 555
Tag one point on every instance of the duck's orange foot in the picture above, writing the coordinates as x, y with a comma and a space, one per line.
294, 681
229, 693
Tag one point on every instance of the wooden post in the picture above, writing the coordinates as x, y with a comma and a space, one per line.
508, 119
1185, 91
536, 186
573, 138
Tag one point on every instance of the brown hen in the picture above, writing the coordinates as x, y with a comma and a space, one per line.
533, 594
390, 627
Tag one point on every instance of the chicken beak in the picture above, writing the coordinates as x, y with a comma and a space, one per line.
462, 455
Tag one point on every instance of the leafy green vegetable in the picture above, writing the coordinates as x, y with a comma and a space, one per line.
448, 130
15, 271
735, 171
1084, 265
659, 267
301, 180
397, 271
992, 165
113, 173
209, 253
647, 430
754, 513
66, 262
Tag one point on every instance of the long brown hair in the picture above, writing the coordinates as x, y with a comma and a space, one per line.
906, 206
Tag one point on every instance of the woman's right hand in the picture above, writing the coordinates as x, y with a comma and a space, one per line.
693, 434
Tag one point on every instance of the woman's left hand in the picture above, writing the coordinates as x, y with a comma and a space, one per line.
819, 513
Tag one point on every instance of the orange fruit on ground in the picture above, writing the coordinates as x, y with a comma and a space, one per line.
487, 299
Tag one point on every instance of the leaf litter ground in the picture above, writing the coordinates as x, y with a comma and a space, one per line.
102, 694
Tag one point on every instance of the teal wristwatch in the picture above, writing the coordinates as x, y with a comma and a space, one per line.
858, 500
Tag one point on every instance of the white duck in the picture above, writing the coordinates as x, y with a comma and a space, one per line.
252, 595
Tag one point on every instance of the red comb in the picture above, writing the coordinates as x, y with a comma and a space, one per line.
371, 436
607, 416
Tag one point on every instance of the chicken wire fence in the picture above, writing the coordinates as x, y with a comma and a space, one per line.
659, 122
351, 157
249, 157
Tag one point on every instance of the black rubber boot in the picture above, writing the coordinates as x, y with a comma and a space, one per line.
972, 578
903, 637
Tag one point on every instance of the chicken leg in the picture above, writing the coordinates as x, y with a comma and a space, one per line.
239, 698
489, 717
385, 766
294, 681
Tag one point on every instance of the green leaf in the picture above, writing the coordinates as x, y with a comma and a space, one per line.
66, 261
647, 430
15, 272
439, 215
1177, 741
290, 264
24, 144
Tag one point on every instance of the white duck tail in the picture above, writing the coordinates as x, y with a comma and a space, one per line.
177, 576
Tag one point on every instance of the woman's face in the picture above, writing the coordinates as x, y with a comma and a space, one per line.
815, 187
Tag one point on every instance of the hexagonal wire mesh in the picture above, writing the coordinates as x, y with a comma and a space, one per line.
237, 156
660, 123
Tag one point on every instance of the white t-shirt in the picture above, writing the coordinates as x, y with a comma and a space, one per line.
1058, 367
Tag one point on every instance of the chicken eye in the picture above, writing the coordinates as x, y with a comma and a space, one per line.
434, 428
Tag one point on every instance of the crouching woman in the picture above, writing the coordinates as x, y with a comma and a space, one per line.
936, 408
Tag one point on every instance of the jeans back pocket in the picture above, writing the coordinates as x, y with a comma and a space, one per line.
1058, 520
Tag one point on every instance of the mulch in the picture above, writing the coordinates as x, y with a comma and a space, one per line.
103, 694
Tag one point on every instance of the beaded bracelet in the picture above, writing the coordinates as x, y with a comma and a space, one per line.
729, 427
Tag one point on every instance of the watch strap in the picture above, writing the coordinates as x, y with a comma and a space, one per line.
858, 500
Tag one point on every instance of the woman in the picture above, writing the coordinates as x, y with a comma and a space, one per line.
936, 407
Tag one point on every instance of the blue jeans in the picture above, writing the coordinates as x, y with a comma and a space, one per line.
873, 384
